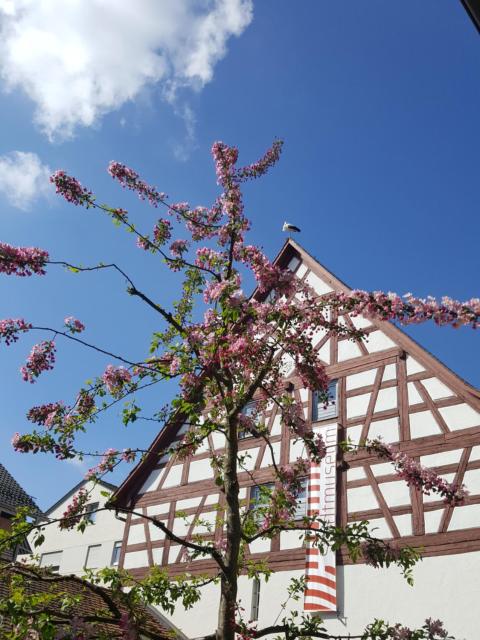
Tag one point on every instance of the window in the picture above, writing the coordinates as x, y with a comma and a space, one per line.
320, 411
271, 296
249, 410
91, 512
255, 599
294, 264
302, 499
259, 496
51, 560
116, 552
92, 561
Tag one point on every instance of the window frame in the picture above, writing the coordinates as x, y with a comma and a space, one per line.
304, 503
255, 605
91, 546
253, 488
297, 265
90, 513
243, 434
331, 411
116, 551
53, 567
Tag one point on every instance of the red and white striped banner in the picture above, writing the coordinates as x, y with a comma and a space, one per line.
321, 583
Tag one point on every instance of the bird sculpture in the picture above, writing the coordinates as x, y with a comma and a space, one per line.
290, 228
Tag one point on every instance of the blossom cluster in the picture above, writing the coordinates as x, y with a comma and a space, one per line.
283, 499
41, 358
73, 325
115, 378
162, 231
45, 414
178, 248
110, 458
71, 189
260, 167
225, 158
409, 309
106, 464
45, 443
75, 511
208, 258
269, 277
22, 261
85, 403
417, 475
131, 180
430, 630
59, 415
11, 327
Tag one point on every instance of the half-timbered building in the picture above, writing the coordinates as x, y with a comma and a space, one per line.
388, 387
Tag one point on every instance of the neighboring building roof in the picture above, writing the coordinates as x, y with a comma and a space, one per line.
11, 493
472, 7
93, 600
75, 489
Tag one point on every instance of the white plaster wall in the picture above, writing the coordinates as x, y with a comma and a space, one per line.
74, 545
446, 587
413, 366
460, 416
317, 284
378, 341
387, 429
362, 379
347, 350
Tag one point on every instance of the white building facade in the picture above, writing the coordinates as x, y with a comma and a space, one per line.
70, 552
386, 387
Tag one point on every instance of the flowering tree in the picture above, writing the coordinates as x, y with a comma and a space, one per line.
234, 354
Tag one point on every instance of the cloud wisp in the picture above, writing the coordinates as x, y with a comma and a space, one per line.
79, 60
23, 179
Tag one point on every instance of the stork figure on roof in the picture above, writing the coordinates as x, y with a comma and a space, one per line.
290, 228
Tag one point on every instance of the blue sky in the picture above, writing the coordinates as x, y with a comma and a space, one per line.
377, 102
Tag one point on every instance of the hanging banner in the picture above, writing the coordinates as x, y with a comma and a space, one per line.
320, 571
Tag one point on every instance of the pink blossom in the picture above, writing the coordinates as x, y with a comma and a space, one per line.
22, 261
71, 189
128, 455
107, 463
74, 512
260, 167
16, 441
174, 366
292, 416
130, 179
74, 325
178, 247
143, 243
85, 403
46, 413
115, 378
41, 358
11, 327
417, 475
162, 231
409, 310
225, 158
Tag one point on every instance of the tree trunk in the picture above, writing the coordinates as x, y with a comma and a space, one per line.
229, 580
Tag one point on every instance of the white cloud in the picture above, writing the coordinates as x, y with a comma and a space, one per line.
78, 60
23, 178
